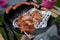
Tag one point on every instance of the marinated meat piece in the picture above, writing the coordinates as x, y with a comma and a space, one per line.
30, 29
27, 16
37, 17
27, 21
25, 25
27, 28
19, 20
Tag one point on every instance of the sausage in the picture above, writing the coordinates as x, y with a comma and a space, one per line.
26, 3
8, 9
43, 8
36, 5
19, 4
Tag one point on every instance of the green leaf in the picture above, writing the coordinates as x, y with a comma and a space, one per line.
1, 19
18, 35
58, 3
57, 20
2, 31
39, 1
